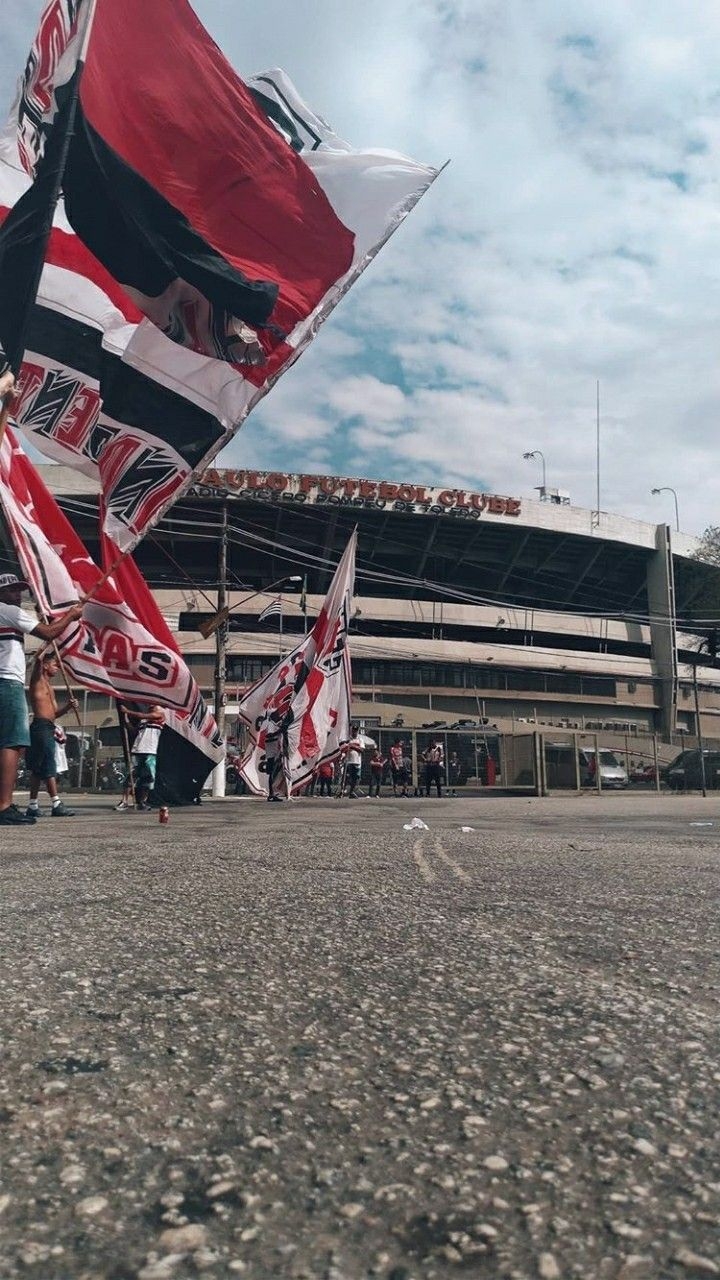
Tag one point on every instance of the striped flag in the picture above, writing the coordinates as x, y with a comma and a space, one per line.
121, 647
275, 607
207, 229
302, 705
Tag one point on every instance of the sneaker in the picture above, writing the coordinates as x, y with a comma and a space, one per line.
33, 813
12, 817
122, 806
144, 808
61, 811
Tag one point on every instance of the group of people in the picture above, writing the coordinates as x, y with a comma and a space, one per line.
42, 738
17, 735
394, 769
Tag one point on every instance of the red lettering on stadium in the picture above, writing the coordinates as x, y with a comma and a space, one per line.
276, 486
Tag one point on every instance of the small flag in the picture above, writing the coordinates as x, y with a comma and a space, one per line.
275, 607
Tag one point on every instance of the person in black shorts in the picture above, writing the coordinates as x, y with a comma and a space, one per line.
434, 758
398, 770
41, 758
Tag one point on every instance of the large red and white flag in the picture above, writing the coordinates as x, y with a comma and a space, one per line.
207, 229
108, 650
304, 701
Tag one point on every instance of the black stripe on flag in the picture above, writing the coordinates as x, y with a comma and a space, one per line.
154, 247
128, 396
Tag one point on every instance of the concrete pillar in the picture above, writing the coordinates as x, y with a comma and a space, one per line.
663, 627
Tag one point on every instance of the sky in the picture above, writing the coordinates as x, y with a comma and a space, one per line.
575, 236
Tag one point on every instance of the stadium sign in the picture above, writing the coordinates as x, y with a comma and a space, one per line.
341, 491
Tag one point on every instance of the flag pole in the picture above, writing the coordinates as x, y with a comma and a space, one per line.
66, 682
126, 750
55, 190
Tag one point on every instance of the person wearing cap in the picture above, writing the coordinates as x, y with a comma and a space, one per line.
15, 624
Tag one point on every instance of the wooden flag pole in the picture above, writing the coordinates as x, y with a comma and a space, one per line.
63, 670
126, 752
66, 682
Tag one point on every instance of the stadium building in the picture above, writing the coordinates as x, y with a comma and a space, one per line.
470, 606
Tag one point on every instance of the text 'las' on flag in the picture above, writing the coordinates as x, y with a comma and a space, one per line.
111, 649
208, 227
301, 708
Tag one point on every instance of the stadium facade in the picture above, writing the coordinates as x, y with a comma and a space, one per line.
469, 605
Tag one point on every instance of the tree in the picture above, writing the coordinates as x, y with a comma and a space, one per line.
709, 549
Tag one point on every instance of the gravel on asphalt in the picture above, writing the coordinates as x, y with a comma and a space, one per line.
304, 1043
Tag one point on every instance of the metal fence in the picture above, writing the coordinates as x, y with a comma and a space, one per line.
541, 761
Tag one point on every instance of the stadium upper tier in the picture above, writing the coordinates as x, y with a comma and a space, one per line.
527, 608
415, 542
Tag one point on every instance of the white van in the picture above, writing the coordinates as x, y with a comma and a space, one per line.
612, 772
560, 765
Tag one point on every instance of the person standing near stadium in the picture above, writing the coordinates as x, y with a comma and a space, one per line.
398, 771
144, 754
326, 774
41, 757
354, 750
377, 766
15, 624
434, 757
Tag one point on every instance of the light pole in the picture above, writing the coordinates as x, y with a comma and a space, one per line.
536, 453
293, 578
218, 777
666, 488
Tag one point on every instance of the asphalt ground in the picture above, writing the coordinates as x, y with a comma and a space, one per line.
300, 1041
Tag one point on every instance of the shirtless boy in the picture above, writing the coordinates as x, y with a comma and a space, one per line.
40, 758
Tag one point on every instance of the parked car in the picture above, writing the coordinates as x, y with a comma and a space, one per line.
643, 775
613, 774
560, 764
684, 772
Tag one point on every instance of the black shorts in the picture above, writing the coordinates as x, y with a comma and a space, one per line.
40, 757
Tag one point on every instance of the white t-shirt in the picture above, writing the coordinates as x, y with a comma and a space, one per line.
146, 743
354, 755
15, 624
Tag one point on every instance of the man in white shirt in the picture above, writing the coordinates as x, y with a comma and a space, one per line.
434, 757
15, 624
353, 762
144, 754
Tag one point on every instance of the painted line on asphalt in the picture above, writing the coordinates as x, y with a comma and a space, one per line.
454, 866
422, 864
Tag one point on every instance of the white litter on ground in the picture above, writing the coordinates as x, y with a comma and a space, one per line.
416, 824
467, 828
702, 824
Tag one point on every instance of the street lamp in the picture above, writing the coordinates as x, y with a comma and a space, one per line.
536, 453
666, 488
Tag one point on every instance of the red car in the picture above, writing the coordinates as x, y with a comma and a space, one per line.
643, 773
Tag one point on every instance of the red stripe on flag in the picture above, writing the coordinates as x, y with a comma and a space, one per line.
188, 125
66, 250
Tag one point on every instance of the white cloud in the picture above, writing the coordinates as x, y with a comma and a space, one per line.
575, 235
